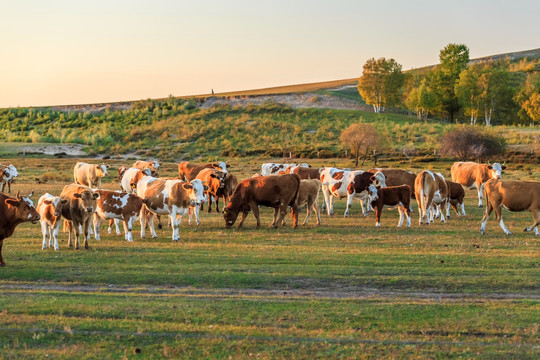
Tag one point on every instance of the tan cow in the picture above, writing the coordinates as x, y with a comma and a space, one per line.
308, 194
81, 204
153, 165
8, 173
473, 175
431, 194
188, 170
515, 196
49, 208
89, 174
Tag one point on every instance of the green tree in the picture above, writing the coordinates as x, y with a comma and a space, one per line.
468, 91
496, 91
381, 83
528, 98
421, 100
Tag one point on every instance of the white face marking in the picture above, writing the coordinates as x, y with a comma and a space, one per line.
496, 171
372, 189
104, 169
223, 166
28, 201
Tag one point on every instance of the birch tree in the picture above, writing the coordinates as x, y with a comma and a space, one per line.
381, 83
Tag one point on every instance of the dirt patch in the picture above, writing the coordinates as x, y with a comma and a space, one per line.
63, 149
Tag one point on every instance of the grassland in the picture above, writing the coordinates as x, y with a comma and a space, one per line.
342, 290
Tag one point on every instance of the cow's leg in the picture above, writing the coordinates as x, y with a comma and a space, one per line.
317, 211
54, 229
536, 217
151, 216
441, 207
255, 209
489, 209
175, 225
217, 204
501, 223
128, 223
463, 208
309, 209
197, 221
407, 211
276, 217
448, 210
87, 226
282, 213
142, 220
480, 188
209, 203
378, 213
294, 214
45, 233
328, 201
97, 224
70, 230
401, 215
2, 263
350, 198
244, 215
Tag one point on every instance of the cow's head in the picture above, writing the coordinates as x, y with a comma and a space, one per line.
219, 176
57, 204
220, 166
229, 215
495, 170
195, 190
373, 192
101, 170
121, 172
23, 207
87, 199
378, 179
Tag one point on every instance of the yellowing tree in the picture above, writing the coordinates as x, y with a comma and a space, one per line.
381, 83
361, 139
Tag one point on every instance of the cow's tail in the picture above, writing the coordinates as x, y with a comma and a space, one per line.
422, 201
293, 200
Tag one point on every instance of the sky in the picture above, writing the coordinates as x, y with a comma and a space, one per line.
60, 52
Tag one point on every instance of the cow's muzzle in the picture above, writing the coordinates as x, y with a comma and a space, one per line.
89, 209
35, 219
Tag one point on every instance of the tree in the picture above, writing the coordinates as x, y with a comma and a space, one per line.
421, 100
528, 98
468, 141
496, 91
468, 91
360, 138
381, 83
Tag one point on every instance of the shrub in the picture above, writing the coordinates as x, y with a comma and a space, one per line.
467, 141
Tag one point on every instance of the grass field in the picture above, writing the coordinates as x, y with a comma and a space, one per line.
341, 290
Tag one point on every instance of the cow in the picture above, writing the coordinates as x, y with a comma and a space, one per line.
456, 194
80, 206
168, 197
8, 173
308, 194
49, 208
14, 211
307, 173
188, 170
89, 174
215, 180
230, 182
278, 192
515, 196
473, 175
431, 193
391, 196
275, 169
347, 183
115, 205
396, 177
152, 165
132, 176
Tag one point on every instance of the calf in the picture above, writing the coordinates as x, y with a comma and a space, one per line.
189, 171
14, 211
308, 194
49, 209
278, 192
89, 174
8, 173
399, 196
515, 196
456, 194
431, 192
113, 205
80, 206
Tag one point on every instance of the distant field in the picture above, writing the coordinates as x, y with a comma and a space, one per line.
342, 290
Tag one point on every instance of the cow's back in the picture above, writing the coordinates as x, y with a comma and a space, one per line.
514, 195
306, 173
466, 173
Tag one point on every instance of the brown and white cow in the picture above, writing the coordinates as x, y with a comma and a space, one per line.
275, 169
81, 204
168, 197
49, 208
89, 174
215, 180
348, 183
230, 182
515, 196
396, 177
8, 173
391, 196
456, 194
473, 175
153, 165
132, 176
115, 205
306, 173
431, 193
308, 195
121, 171
14, 211
278, 192
189, 171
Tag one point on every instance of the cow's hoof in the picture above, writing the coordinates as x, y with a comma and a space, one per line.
480, 206
176, 240
56, 249
160, 226
3, 264
45, 248
154, 236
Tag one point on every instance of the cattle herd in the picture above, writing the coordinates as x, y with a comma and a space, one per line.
83, 205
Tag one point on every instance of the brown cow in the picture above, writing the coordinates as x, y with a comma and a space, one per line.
215, 180
152, 165
189, 171
49, 208
474, 175
396, 177
113, 205
89, 174
230, 184
399, 196
79, 209
307, 173
14, 211
308, 194
456, 194
515, 196
431, 194
276, 191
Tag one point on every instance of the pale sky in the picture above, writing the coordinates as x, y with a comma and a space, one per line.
58, 52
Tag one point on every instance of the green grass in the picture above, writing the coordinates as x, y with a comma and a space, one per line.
342, 290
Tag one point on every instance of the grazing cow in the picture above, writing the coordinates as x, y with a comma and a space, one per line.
14, 211
215, 180
473, 175
431, 194
89, 174
8, 173
121, 171
168, 197
515, 196
81, 204
278, 192
308, 194
307, 172
115, 205
189, 171
347, 183
275, 169
456, 194
391, 196
49, 208
132, 176
152, 165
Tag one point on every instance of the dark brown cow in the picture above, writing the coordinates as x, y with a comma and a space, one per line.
215, 180
473, 175
113, 205
306, 173
79, 209
515, 196
14, 211
276, 191
399, 196
189, 171
456, 194
230, 184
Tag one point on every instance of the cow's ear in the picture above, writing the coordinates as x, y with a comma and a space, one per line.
12, 202
63, 202
77, 196
47, 202
372, 178
227, 166
107, 166
503, 167
490, 167
225, 209
95, 196
213, 176
187, 186
205, 187
31, 194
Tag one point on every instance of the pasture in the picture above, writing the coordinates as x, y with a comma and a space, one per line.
342, 290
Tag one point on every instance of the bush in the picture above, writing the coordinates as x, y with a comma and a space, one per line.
471, 142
